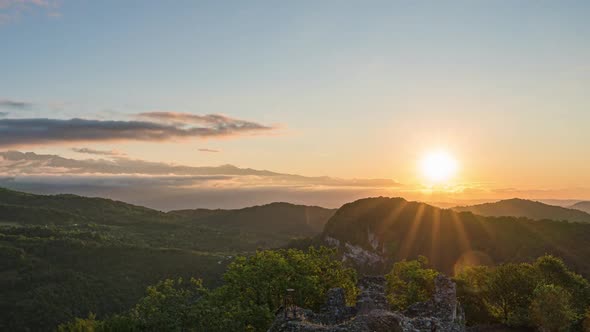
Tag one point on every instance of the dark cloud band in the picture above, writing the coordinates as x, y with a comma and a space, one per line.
18, 132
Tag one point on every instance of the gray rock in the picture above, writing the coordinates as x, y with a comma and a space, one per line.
371, 313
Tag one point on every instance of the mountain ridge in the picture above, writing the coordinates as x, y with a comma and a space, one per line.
518, 207
383, 230
582, 206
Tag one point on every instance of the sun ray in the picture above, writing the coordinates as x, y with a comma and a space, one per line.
464, 241
435, 251
411, 235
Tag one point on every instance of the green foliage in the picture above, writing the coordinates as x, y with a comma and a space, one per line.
551, 308
167, 305
89, 324
254, 290
258, 283
222, 309
510, 291
73, 255
586, 321
410, 282
544, 294
552, 270
49, 275
116, 323
473, 292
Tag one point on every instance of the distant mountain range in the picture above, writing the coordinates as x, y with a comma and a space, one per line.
271, 224
582, 206
166, 186
517, 207
382, 230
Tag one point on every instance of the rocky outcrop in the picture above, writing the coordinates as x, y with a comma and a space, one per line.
442, 313
361, 257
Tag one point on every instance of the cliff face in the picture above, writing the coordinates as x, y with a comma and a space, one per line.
371, 313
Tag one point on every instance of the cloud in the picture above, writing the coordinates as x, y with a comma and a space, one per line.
14, 104
40, 131
213, 120
168, 186
12, 10
3, 114
15, 163
208, 150
111, 153
10, 3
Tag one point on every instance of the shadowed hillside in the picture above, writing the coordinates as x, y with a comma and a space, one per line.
525, 208
271, 218
264, 226
397, 229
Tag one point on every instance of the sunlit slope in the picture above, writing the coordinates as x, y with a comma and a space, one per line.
398, 229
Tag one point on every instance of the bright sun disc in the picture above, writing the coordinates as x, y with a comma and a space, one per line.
438, 166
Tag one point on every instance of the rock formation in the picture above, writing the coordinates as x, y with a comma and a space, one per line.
442, 313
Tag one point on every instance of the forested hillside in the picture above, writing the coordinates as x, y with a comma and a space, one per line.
63, 256
68, 256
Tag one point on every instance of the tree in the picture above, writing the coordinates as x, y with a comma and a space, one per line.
259, 282
553, 271
167, 305
473, 291
551, 309
410, 282
89, 324
510, 290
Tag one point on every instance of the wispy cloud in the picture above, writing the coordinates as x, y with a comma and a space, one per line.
218, 121
110, 153
12, 10
15, 104
15, 163
167, 186
208, 150
40, 131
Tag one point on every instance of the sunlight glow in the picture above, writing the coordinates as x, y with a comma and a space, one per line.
438, 166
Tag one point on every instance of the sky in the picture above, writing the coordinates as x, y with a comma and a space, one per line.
348, 95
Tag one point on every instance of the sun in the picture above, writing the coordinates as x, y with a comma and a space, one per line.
438, 166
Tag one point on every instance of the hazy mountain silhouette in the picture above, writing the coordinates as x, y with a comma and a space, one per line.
398, 229
582, 206
517, 207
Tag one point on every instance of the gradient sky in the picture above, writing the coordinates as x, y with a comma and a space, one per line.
351, 89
